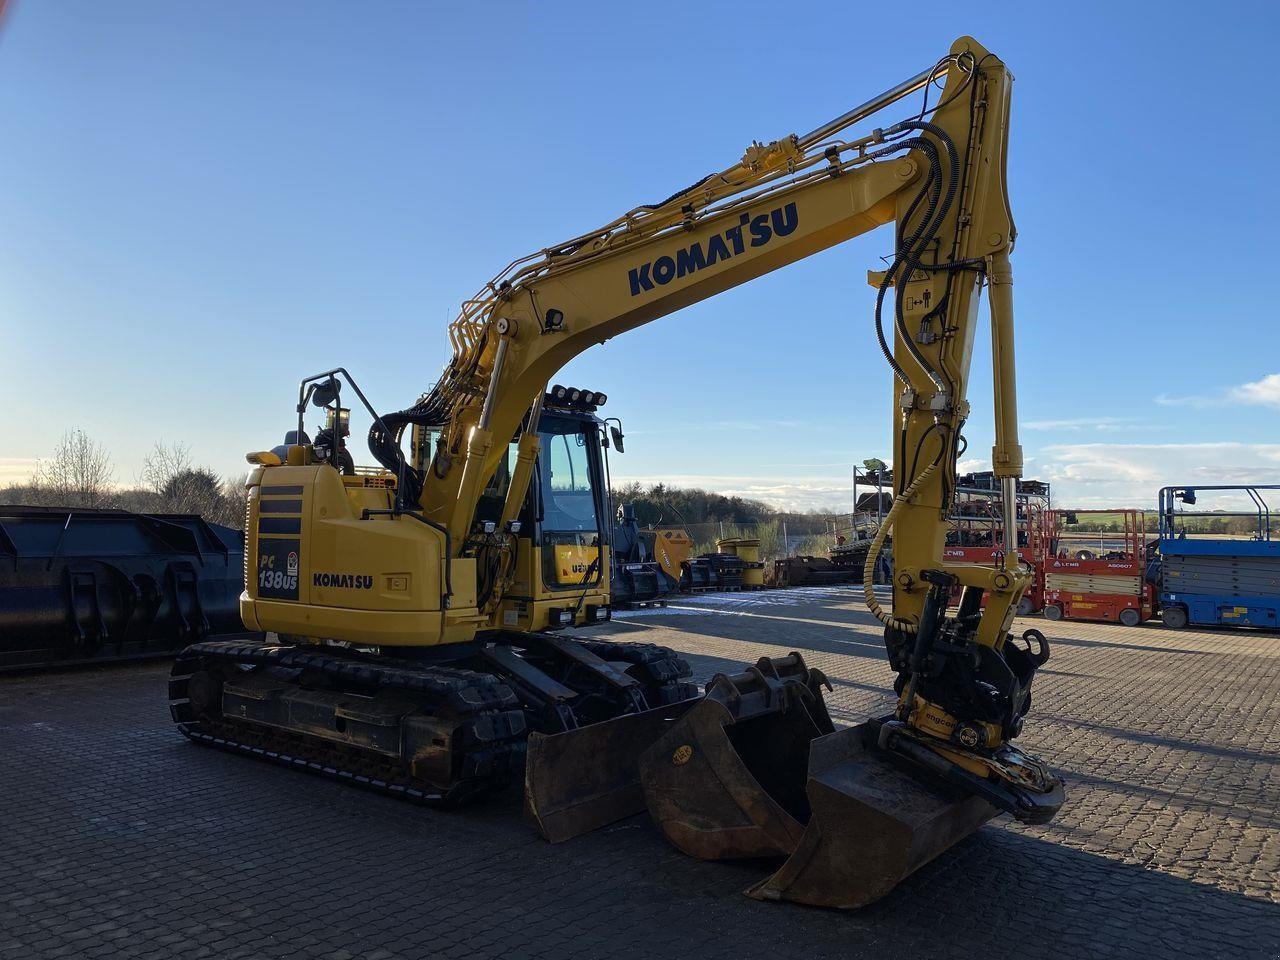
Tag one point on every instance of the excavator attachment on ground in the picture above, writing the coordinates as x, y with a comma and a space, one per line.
872, 823
740, 750
727, 781
754, 770
583, 779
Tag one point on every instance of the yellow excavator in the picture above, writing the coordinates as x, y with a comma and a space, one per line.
416, 607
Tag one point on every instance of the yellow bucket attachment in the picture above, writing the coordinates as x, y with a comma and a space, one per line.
727, 781
582, 779
871, 824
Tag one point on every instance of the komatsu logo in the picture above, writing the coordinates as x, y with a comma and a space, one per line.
346, 581
760, 229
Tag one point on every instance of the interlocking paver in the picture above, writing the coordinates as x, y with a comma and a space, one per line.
120, 839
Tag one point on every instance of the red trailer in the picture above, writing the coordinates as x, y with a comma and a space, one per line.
1096, 567
977, 530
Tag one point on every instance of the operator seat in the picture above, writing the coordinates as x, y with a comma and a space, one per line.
291, 439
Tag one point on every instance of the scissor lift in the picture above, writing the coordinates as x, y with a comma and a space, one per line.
1225, 576
1097, 574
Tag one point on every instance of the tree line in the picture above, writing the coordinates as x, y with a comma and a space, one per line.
708, 516
80, 473
1210, 522
660, 505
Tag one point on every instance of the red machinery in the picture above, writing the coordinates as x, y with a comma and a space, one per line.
976, 529
1096, 565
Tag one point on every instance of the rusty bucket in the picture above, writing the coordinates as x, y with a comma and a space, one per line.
728, 780
873, 822
583, 779
755, 769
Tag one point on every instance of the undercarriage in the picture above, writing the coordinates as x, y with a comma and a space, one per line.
432, 730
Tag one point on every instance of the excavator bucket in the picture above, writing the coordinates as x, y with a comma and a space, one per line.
583, 779
728, 780
872, 823
754, 769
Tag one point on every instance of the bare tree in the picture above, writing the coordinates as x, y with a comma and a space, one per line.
79, 474
176, 486
234, 502
162, 464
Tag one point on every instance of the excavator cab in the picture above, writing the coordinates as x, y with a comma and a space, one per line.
568, 502
560, 573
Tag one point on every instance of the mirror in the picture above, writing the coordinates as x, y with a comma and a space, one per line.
617, 439
325, 392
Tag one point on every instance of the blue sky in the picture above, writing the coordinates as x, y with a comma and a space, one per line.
201, 202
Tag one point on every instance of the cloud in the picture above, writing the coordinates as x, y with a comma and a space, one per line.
1262, 393
1265, 392
824, 492
15, 470
1198, 401
1084, 423
1130, 474
1082, 475
801, 493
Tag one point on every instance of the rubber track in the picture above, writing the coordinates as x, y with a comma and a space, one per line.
664, 672
487, 711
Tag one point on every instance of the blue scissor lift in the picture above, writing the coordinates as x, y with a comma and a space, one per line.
1229, 578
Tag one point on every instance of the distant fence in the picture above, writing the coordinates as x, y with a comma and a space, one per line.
785, 538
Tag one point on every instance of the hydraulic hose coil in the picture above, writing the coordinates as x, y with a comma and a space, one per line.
868, 569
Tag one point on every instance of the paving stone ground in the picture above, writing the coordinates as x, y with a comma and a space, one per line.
120, 839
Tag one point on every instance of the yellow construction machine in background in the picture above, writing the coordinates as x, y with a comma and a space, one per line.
670, 548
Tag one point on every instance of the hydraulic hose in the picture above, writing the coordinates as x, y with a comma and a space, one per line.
868, 569
914, 248
931, 192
